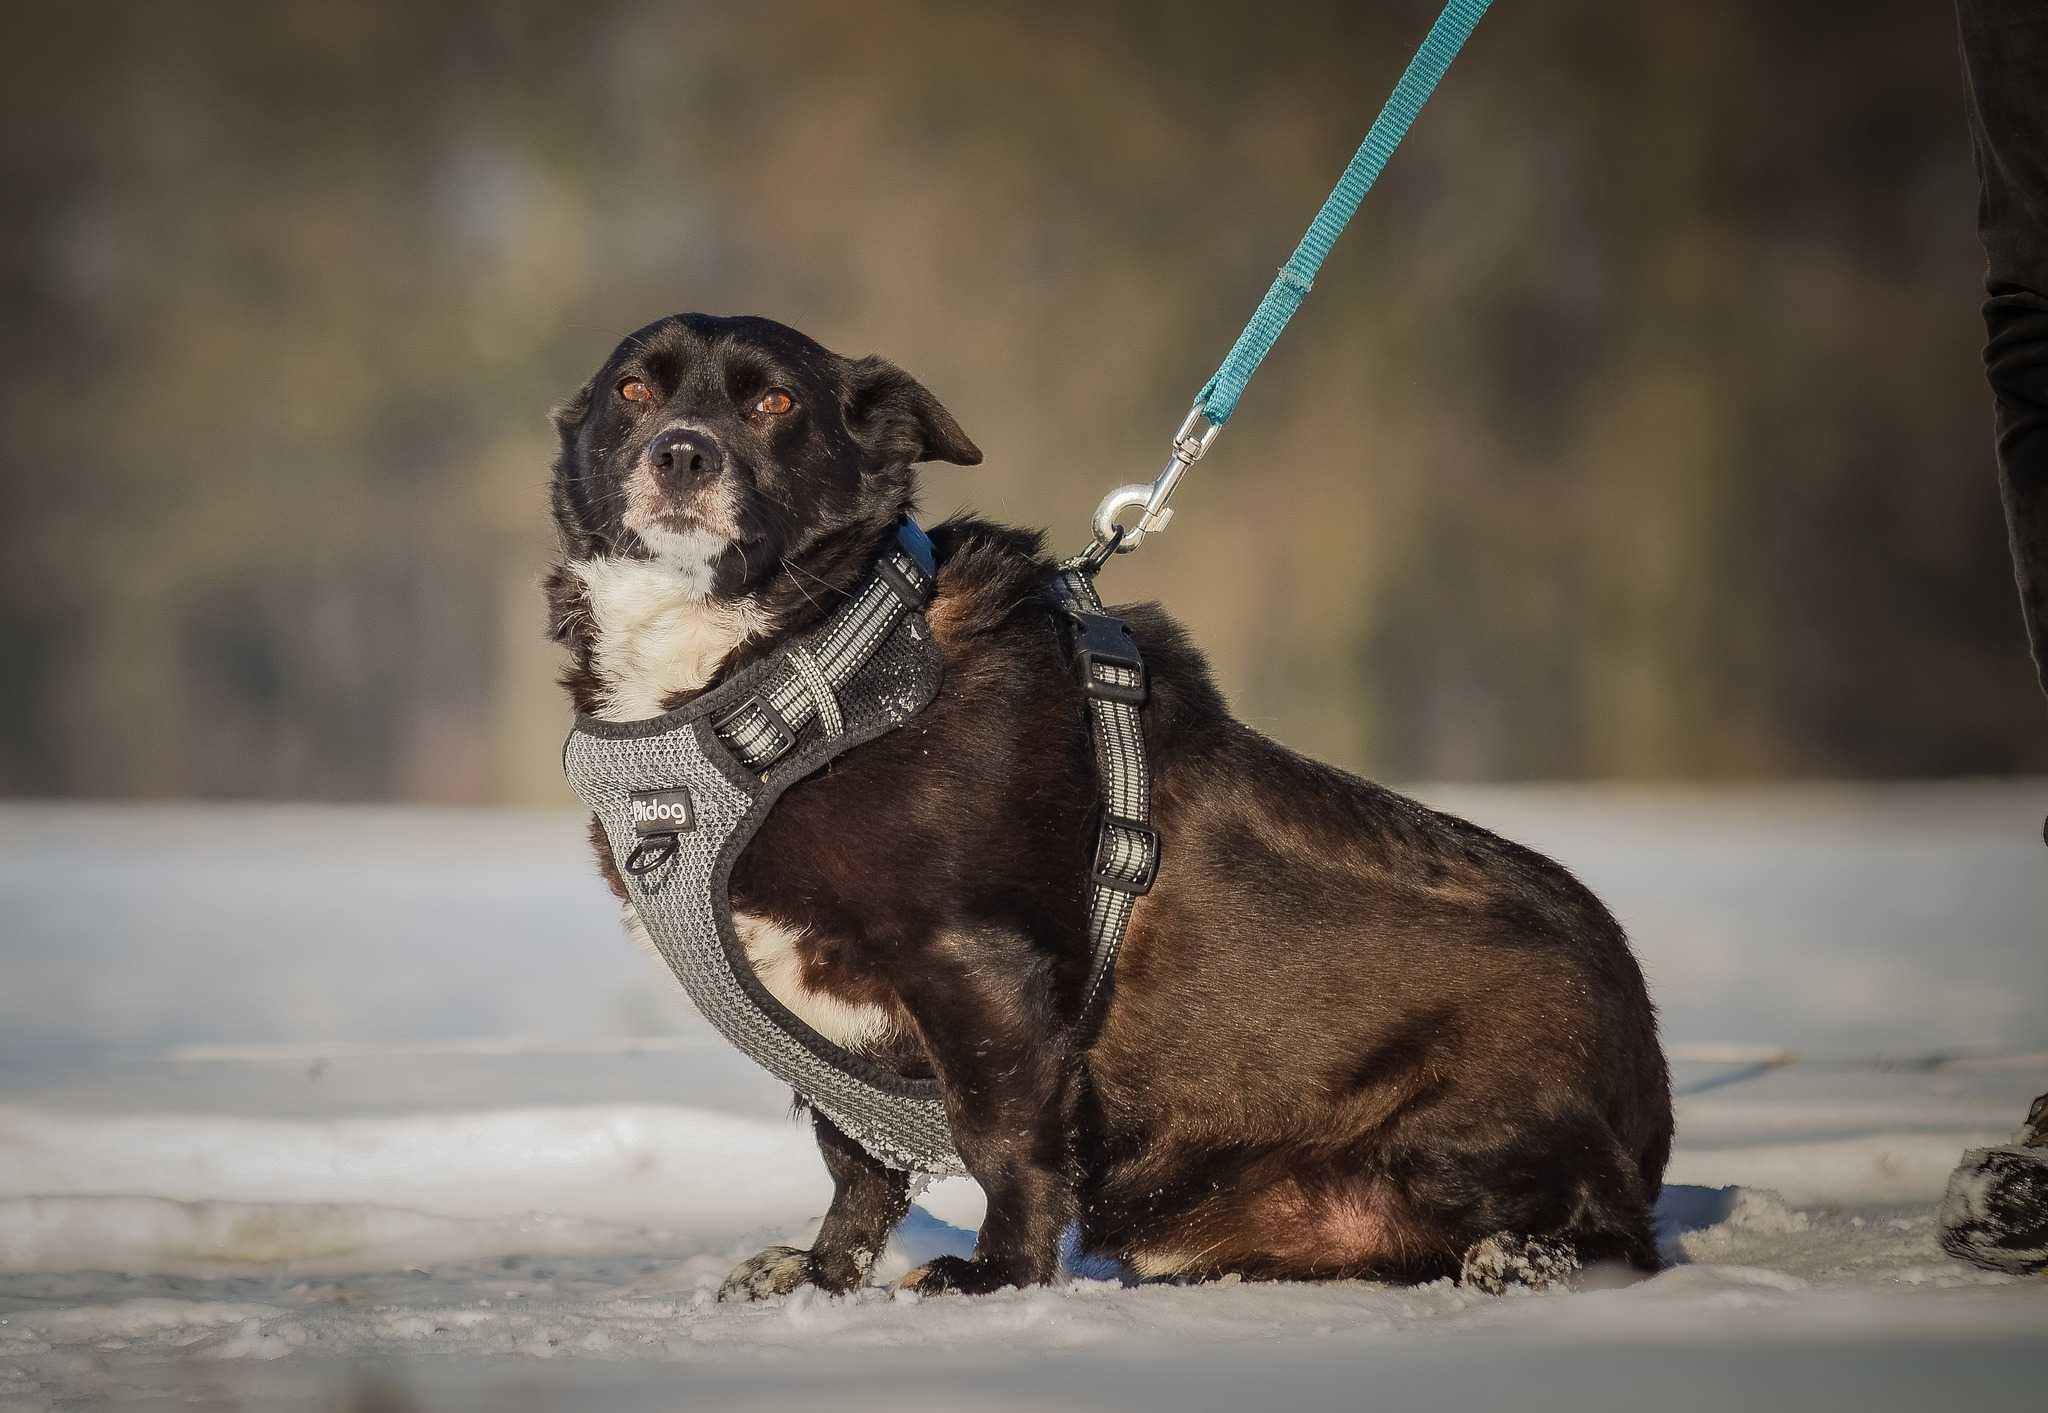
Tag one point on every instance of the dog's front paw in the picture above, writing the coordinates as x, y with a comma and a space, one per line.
776, 1271
1502, 1260
954, 1273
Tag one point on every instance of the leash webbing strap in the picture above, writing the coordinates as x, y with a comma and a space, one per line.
1218, 398
1113, 680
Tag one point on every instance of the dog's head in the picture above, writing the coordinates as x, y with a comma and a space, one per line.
724, 448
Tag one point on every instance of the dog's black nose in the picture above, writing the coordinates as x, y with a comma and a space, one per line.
683, 453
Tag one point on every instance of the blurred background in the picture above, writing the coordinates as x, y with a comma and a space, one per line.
1635, 431
1627, 482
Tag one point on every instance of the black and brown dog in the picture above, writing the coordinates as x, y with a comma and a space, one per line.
1347, 1035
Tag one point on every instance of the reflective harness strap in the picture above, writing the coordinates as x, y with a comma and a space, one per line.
805, 682
1112, 678
763, 728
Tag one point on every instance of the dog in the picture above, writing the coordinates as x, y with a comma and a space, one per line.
1346, 1036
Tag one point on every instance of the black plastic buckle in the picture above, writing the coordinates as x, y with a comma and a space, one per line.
1104, 875
1102, 641
901, 584
781, 736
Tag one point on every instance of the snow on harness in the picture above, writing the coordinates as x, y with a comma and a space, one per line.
681, 795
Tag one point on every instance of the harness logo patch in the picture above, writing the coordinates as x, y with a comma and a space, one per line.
662, 812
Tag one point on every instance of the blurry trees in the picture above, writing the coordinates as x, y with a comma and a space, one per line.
1636, 428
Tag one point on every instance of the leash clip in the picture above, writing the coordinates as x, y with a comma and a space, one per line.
1197, 433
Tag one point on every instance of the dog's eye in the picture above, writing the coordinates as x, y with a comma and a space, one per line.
774, 403
633, 390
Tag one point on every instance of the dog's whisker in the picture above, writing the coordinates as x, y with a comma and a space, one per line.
793, 572
830, 588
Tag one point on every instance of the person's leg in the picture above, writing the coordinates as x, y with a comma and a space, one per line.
2005, 60
1996, 1211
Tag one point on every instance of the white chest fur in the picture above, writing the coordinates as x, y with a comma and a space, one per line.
656, 632
772, 948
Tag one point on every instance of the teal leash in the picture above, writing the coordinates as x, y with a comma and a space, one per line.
1218, 397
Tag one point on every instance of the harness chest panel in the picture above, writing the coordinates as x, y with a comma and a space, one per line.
692, 781
680, 796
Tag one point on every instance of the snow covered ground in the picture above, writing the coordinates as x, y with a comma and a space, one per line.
376, 1109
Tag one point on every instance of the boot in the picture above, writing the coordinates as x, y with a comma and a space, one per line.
1996, 1211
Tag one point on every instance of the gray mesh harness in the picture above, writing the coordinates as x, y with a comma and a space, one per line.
681, 795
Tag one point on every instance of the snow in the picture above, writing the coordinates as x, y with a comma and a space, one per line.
350, 1108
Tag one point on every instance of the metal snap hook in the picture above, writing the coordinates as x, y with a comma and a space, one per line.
1149, 502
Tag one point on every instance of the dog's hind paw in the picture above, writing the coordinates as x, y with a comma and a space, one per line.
954, 1273
776, 1271
1495, 1263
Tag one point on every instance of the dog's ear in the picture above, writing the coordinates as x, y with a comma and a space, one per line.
897, 420
567, 418
568, 414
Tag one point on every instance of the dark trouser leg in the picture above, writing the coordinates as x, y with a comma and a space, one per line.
2005, 60
2005, 63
